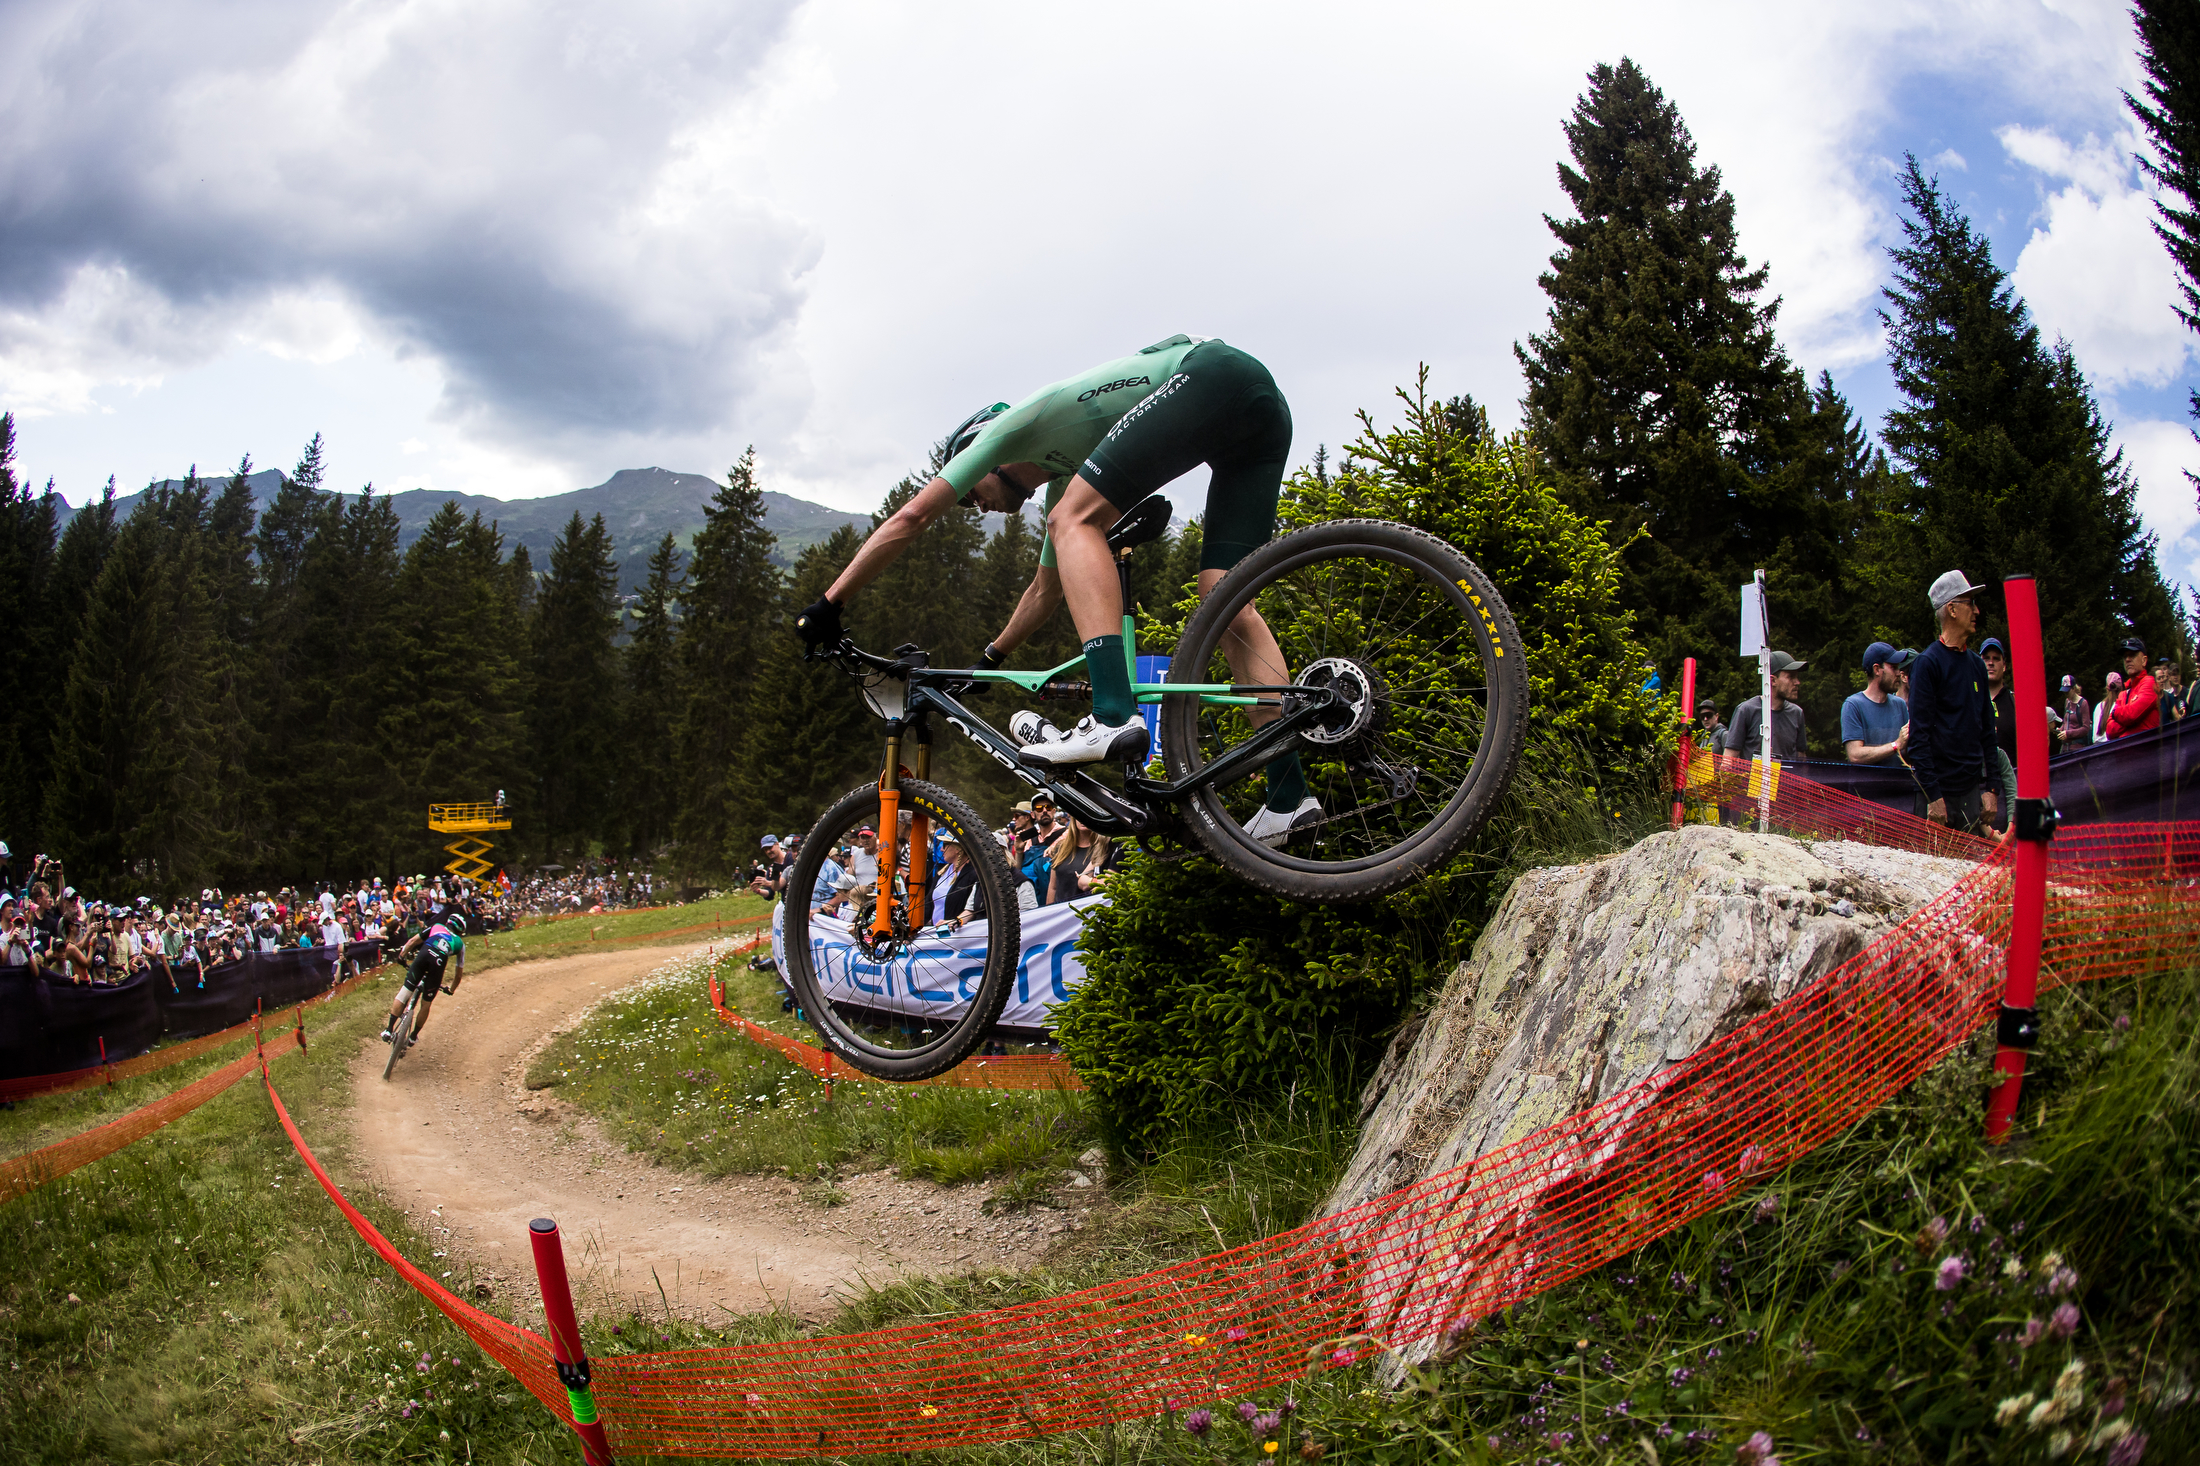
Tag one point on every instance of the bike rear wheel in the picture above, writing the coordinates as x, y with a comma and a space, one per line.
401, 1033
1422, 650
908, 1004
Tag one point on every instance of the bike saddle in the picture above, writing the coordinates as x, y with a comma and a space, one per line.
1145, 522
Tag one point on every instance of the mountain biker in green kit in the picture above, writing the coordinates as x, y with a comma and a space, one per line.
1102, 441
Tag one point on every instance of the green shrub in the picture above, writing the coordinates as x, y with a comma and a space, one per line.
1203, 995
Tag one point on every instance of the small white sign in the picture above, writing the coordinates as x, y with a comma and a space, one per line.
1754, 640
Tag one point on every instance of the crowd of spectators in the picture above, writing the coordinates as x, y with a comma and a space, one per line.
49, 927
1929, 711
1052, 857
550, 889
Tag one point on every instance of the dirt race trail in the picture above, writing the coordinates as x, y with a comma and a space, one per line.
459, 1142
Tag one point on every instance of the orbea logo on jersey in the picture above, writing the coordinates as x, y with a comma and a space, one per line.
1118, 384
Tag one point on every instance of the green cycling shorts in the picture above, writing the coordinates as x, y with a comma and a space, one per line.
1220, 408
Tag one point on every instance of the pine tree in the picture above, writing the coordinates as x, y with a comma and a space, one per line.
236, 684
344, 796
131, 788
727, 616
1659, 397
573, 724
286, 527
2169, 54
456, 730
27, 530
650, 687
2010, 461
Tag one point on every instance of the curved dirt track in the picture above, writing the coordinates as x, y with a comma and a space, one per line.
458, 1141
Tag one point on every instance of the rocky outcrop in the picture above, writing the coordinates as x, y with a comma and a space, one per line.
1591, 978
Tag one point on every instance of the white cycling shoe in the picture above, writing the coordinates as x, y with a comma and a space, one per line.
1272, 829
1029, 729
1091, 742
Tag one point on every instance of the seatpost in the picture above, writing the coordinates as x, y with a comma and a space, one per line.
1130, 621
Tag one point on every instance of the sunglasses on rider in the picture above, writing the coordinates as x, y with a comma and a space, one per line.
1020, 495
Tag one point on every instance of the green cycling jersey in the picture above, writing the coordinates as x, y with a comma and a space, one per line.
1058, 426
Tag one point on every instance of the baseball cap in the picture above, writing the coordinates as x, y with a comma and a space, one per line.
2068, 682
1992, 644
769, 841
1782, 662
2133, 644
1902, 658
2115, 679
1021, 806
866, 830
1707, 705
1950, 585
1876, 653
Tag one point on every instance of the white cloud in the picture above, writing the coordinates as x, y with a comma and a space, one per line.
2094, 272
2160, 455
530, 243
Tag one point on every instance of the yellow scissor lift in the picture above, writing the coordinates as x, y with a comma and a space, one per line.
467, 855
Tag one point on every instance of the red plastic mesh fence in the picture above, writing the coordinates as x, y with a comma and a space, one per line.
525, 1355
23, 1174
1436, 1256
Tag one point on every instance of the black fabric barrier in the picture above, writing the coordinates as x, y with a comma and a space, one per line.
2151, 776
52, 1026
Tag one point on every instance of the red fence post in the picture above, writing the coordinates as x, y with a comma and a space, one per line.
2032, 824
103, 1061
1684, 755
564, 1329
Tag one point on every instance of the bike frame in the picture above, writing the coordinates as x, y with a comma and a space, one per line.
1142, 808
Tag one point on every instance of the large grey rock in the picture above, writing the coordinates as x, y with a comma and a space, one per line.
1591, 978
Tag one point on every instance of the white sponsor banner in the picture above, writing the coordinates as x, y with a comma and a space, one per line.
935, 977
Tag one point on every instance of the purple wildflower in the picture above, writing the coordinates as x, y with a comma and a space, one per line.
2062, 1281
1754, 1156
2123, 1023
1935, 1233
1339, 1358
1714, 1182
1247, 1411
1756, 1451
1267, 1424
421, 1368
1978, 1225
1949, 1274
1769, 1207
1665, 1430
406, 1413
1289, 1406
2127, 1451
2064, 1321
1236, 1335
1199, 1422
2033, 1329
1680, 1282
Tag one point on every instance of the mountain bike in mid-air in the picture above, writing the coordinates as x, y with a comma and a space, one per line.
1407, 708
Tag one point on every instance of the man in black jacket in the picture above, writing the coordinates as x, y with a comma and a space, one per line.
1951, 721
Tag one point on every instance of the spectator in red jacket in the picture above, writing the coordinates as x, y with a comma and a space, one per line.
2139, 706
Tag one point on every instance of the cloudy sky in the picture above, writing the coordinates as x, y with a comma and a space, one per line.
509, 248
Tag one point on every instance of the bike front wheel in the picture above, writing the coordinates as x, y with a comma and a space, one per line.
901, 1000
400, 1034
1425, 722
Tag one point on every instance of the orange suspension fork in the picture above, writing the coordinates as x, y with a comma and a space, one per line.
889, 837
920, 841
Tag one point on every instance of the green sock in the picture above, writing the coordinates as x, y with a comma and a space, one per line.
1113, 702
1286, 783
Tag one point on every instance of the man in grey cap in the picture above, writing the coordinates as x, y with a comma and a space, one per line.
1951, 722
1744, 735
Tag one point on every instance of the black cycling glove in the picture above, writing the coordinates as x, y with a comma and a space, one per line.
819, 623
